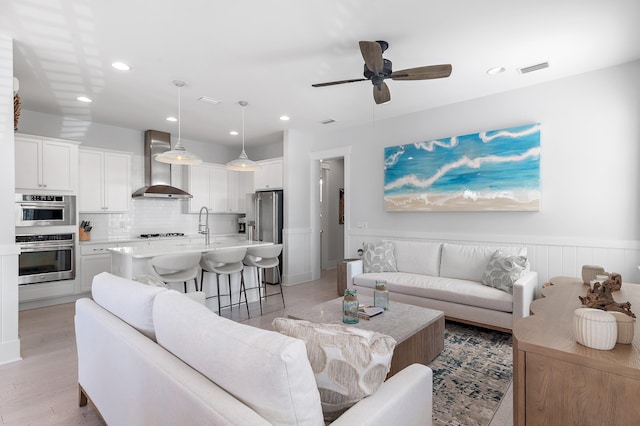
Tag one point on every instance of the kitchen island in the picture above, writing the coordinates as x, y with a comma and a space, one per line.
130, 262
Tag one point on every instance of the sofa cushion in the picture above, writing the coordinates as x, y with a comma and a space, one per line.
464, 292
503, 270
379, 257
349, 363
418, 257
129, 300
266, 370
468, 262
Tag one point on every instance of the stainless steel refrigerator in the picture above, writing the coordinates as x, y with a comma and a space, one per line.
264, 222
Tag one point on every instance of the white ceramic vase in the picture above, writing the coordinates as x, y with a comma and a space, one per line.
625, 327
595, 329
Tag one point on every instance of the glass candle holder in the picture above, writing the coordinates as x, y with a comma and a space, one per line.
350, 307
381, 295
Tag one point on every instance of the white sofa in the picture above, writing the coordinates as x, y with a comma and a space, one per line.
447, 277
151, 356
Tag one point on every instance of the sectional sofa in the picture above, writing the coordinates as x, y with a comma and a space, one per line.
447, 277
148, 355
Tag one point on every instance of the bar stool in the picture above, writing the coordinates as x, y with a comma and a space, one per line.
175, 268
265, 257
225, 262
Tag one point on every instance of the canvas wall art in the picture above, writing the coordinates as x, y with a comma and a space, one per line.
497, 170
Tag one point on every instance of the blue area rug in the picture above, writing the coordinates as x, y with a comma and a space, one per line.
471, 375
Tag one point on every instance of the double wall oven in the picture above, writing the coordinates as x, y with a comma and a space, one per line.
45, 232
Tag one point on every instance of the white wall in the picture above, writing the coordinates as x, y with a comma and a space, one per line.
9, 339
589, 173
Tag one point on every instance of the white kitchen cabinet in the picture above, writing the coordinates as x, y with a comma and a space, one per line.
46, 164
240, 184
269, 175
94, 259
208, 184
105, 181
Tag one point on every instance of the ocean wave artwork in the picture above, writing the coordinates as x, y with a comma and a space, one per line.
496, 170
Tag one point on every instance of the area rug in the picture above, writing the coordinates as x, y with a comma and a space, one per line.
471, 375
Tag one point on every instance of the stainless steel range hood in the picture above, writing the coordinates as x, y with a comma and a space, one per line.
157, 175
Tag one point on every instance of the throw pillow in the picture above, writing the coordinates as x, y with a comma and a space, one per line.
503, 270
379, 257
349, 363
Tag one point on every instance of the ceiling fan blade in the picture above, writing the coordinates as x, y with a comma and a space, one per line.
372, 54
381, 93
423, 73
332, 83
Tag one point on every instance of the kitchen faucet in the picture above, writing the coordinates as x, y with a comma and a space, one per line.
204, 229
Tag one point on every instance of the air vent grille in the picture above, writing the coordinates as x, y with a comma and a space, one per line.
533, 68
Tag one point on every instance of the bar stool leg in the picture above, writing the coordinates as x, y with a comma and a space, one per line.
280, 284
243, 290
218, 290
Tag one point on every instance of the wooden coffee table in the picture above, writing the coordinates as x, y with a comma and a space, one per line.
418, 331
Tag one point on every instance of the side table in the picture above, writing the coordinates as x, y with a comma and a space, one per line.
342, 275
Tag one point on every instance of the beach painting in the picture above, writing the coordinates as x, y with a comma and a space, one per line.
497, 170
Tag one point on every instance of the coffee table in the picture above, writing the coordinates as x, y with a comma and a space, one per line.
418, 331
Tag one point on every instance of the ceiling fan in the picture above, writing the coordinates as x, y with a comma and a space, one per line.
377, 69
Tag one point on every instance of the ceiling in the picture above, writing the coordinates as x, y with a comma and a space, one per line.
270, 52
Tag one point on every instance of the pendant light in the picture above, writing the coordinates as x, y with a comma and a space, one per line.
242, 163
178, 155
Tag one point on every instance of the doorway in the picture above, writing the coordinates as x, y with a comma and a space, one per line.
331, 211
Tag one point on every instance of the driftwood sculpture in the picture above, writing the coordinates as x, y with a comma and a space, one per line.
601, 298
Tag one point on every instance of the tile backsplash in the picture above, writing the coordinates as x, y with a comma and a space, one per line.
155, 216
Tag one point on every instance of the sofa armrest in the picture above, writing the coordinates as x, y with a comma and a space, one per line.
404, 399
524, 291
354, 268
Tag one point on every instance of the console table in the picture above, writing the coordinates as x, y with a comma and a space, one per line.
557, 381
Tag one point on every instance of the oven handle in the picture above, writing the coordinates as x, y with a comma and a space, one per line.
44, 247
42, 205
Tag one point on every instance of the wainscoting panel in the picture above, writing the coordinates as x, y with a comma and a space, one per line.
297, 255
550, 258
9, 339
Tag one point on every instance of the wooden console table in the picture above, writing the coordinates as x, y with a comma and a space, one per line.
557, 381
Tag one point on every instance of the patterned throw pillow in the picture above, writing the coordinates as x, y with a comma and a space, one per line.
502, 271
349, 363
379, 257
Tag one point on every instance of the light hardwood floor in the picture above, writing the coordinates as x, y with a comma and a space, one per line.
42, 389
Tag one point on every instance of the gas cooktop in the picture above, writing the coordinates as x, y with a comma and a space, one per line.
165, 235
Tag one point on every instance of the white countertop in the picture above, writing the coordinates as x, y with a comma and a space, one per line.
144, 252
120, 240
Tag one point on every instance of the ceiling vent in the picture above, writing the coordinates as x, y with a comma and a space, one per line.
209, 100
533, 68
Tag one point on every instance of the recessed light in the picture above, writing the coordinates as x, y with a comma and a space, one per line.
83, 99
285, 118
121, 66
172, 119
233, 133
496, 70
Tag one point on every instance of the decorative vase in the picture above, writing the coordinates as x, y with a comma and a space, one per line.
350, 307
595, 329
625, 327
381, 295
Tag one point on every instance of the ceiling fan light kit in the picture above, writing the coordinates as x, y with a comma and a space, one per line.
377, 69
242, 163
178, 155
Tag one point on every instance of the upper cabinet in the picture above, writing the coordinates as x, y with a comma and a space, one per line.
45, 164
208, 184
217, 188
240, 184
105, 181
269, 175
